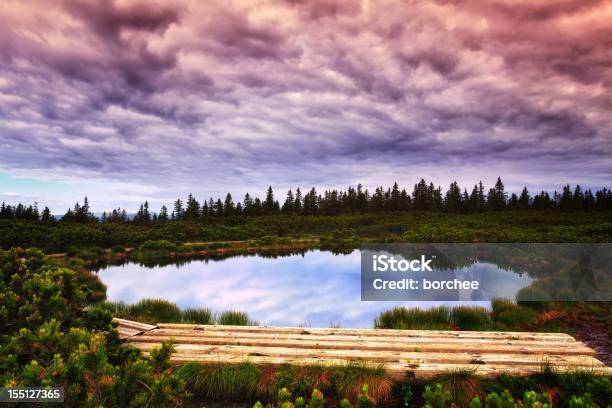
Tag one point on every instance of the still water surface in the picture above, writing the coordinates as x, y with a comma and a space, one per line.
316, 289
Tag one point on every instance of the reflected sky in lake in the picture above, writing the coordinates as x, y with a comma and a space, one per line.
316, 289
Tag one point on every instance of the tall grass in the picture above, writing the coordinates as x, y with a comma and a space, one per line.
235, 318
463, 385
156, 309
237, 382
197, 316
162, 311
508, 314
505, 315
247, 381
437, 318
470, 317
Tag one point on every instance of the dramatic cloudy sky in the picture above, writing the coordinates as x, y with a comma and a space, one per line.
132, 100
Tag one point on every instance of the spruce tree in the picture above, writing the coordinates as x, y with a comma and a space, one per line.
178, 212
524, 201
297, 203
289, 203
46, 215
228, 206
163, 214
268, 205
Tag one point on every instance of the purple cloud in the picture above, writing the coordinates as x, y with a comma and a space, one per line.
198, 96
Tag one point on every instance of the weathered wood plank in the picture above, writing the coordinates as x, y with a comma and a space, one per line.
385, 356
125, 332
467, 346
396, 371
369, 332
128, 328
355, 338
134, 325
418, 354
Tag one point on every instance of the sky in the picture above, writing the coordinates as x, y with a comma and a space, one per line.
126, 101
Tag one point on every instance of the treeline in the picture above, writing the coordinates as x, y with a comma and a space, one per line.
424, 196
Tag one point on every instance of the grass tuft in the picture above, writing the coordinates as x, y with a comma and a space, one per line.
470, 317
437, 318
161, 311
235, 318
463, 385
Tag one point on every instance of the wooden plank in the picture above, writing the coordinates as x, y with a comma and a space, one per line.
370, 332
361, 339
467, 346
396, 371
384, 356
124, 332
420, 354
134, 325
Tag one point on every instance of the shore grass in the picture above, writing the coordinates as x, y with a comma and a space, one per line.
235, 318
504, 315
162, 311
401, 318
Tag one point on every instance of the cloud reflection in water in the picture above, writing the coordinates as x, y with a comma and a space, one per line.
317, 289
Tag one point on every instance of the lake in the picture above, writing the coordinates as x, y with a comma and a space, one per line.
316, 289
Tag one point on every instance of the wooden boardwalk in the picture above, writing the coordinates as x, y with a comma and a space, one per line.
419, 354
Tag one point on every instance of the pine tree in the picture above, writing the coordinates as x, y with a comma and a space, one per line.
146, 215
566, 201
247, 205
228, 206
524, 201
163, 214
395, 197
496, 199
268, 205
453, 198
289, 204
578, 198
513, 203
297, 203
480, 197
218, 207
192, 211
46, 215
178, 212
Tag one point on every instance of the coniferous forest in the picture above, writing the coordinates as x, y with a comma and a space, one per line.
427, 213
424, 196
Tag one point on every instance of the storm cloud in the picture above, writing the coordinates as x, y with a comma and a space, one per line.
169, 97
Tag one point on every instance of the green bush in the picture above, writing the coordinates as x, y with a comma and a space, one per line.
582, 402
118, 248
217, 245
364, 400
284, 395
266, 240
90, 254
494, 400
316, 399
50, 336
437, 397
157, 245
